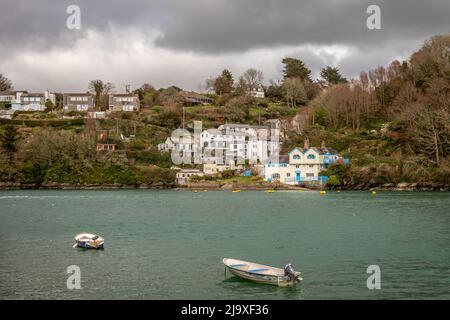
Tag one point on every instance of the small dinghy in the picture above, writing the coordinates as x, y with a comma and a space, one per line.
263, 274
89, 241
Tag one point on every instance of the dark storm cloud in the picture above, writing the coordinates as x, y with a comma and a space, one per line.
218, 26
238, 25
142, 39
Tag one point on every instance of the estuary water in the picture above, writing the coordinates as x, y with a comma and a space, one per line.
169, 244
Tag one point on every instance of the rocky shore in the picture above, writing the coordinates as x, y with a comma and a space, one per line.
210, 185
259, 185
402, 186
217, 185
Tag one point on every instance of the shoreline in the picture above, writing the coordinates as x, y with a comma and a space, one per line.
218, 186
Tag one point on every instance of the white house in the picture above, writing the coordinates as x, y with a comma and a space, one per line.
9, 97
183, 176
257, 92
229, 147
166, 146
301, 165
32, 101
213, 168
222, 148
278, 171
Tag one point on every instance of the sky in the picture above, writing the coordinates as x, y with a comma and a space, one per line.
182, 43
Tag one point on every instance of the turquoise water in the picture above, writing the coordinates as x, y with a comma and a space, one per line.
169, 244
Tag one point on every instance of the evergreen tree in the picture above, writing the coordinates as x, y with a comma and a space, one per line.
332, 75
295, 68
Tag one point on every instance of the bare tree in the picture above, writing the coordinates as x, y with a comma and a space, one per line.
5, 83
101, 90
294, 91
252, 79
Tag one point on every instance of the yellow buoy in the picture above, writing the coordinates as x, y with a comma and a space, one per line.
374, 193
338, 191
195, 191
323, 192
270, 191
236, 191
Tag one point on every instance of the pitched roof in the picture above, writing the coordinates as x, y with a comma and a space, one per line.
326, 151
124, 95
78, 94
33, 95
239, 125
192, 94
321, 151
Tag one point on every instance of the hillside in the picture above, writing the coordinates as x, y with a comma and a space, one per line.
393, 123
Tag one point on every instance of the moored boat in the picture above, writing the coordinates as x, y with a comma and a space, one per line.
262, 273
89, 241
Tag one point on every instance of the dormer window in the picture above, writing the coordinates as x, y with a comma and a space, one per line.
296, 157
311, 156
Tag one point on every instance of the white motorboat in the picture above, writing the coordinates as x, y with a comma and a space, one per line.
262, 273
89, 241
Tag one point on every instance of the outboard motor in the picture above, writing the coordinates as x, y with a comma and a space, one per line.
290, 272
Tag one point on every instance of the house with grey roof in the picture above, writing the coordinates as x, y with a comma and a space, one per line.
123, 102
78, 102
33, 101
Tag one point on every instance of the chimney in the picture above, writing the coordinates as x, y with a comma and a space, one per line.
306, 144
322, 145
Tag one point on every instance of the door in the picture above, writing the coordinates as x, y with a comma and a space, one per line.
297, 176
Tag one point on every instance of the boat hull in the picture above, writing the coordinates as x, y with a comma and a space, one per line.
86, 245
260, 273
272, 280
88, 241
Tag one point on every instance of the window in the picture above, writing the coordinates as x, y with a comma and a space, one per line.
310, 166
311, 156
310, 174
297, 166
276, 176
296, 157
288, 174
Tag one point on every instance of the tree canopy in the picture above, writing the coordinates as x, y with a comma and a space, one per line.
295, 68
224, 83
101, 90
5, 83
332, 75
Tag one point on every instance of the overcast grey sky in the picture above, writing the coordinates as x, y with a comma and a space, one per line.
165, 42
